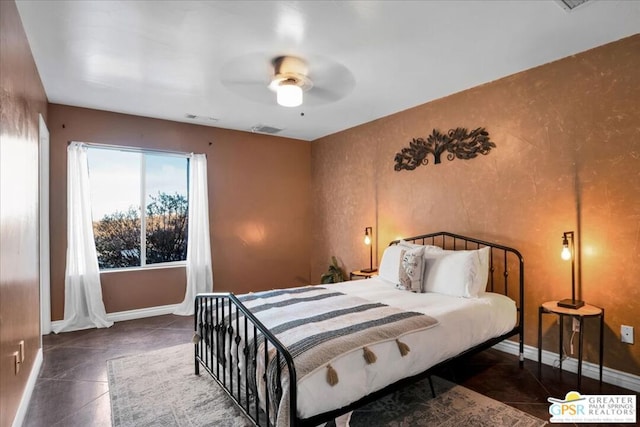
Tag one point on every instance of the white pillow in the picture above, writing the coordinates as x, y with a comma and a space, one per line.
483, 275
427, 248
402, 242
388, 269
479, 285
452, 273
411, 268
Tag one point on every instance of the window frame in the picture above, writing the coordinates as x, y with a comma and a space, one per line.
142, 203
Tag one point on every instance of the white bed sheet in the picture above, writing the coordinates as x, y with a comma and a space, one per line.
463, 323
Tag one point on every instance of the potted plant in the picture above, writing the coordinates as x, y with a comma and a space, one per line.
334, 274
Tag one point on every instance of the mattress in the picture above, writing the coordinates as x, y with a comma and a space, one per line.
462, 324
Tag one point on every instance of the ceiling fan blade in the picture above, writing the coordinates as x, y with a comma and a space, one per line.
321, 95
332, 81
247, 82
255, 67
325, 70
254, 91
248, 76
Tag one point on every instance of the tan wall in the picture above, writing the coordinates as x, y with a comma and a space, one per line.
258, 195
22, 98
567, 158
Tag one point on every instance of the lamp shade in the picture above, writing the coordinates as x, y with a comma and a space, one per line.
288, 94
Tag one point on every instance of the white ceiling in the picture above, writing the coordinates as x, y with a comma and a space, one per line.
166, 59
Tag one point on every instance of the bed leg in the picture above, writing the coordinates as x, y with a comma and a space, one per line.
521, 360
433, 391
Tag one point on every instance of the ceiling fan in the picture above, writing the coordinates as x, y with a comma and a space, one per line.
290, 80
287, 80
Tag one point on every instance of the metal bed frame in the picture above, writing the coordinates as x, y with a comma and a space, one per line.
214, 331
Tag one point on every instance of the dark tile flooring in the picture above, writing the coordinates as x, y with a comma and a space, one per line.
72, 388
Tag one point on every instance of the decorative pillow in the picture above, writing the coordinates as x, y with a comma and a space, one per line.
411, 268
452, 273
389, 264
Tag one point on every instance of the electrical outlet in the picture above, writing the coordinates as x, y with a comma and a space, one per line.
626, 334
576, 325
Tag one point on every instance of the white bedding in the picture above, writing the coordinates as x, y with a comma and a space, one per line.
463, 323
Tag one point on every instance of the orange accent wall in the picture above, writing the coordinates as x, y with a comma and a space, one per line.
567, 158
22, 98
259, 200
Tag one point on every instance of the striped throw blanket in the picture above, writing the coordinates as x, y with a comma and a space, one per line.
318, 325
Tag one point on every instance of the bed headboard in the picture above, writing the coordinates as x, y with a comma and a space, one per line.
506, 265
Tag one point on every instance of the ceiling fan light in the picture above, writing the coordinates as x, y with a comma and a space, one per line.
289, 94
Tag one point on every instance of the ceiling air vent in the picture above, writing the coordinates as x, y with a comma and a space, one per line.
265, 129
569, 5
196, 117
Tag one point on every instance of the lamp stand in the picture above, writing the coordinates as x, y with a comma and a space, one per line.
368, 231
571, 302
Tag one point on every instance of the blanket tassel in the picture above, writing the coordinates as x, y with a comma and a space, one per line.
196, 338
332, 376
404, 349
369, 356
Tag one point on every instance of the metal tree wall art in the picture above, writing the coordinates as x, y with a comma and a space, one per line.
458, 142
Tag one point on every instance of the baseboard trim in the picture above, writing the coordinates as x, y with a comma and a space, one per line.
140, 313
589, 369
28, 390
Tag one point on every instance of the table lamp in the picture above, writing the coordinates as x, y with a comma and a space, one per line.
568, 253
368, 233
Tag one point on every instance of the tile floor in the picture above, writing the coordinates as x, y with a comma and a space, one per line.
72, 388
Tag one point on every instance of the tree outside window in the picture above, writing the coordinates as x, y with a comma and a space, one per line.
123, 181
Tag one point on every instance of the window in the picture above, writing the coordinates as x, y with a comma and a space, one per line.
139, 206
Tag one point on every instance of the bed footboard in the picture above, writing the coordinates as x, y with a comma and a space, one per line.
228, 343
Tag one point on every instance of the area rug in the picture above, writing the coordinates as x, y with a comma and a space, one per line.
159, 388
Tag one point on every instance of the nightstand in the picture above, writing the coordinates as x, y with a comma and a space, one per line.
362, 274
551, 307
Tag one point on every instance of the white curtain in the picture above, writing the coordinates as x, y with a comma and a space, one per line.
83, 305
199, 275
